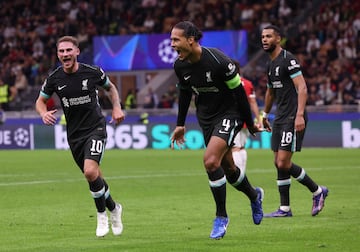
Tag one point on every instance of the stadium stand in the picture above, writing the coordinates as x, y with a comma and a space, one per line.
325, 35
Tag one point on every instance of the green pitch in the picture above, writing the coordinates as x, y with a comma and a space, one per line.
46, 205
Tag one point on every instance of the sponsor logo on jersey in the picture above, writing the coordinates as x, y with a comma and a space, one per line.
65, 102
198, 90
277, 84
76, 101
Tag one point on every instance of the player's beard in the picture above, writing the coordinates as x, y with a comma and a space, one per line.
270, 49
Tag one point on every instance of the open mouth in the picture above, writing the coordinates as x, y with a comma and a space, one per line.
179, 53
66, 60
265, 46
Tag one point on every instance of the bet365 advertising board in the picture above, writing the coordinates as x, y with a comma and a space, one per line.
324, 130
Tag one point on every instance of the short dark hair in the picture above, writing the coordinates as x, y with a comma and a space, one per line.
275, 28
68, 39
190, 30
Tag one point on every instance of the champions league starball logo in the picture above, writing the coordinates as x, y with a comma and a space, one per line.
21, 137
166, 53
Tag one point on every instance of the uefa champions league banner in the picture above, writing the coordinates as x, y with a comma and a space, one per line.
17, 136
154, 52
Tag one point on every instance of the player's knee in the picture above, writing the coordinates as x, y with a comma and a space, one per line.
91, 173
211, 164
282, 164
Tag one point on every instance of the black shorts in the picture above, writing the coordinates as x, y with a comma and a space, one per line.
226, 128
284, 137
91, 147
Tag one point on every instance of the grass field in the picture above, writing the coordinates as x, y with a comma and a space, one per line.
46, 204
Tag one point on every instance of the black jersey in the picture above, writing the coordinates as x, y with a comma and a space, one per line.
207, 79
281, 71
79, 98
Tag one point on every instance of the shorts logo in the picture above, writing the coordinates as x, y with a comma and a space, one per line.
223, 132
94, 153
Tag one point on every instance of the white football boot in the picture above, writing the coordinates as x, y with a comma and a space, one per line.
102, 224
115, 218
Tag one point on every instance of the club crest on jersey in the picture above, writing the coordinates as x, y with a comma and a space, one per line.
208, 77
277, 71
85, 84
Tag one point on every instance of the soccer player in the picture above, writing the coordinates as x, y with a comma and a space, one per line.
287, 88
238, 150
76, 84
222, 108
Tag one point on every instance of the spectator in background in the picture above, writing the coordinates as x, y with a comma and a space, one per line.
357, 92
172, 94
326, 93
284, 10
150, 100
21, 81
314, 98
7, 94
348, 98
130, 101
313, 45
165, 102
27, 25
37, 48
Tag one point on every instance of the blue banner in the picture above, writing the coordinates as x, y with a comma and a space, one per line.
144, 52
18, 136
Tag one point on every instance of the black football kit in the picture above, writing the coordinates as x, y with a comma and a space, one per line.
219, 95
280, 73
78, 94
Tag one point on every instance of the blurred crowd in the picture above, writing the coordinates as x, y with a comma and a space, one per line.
325, 39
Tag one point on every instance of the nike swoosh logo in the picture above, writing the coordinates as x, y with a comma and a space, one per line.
62, 87
282, 145
187, 77
223, 132
94, 154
